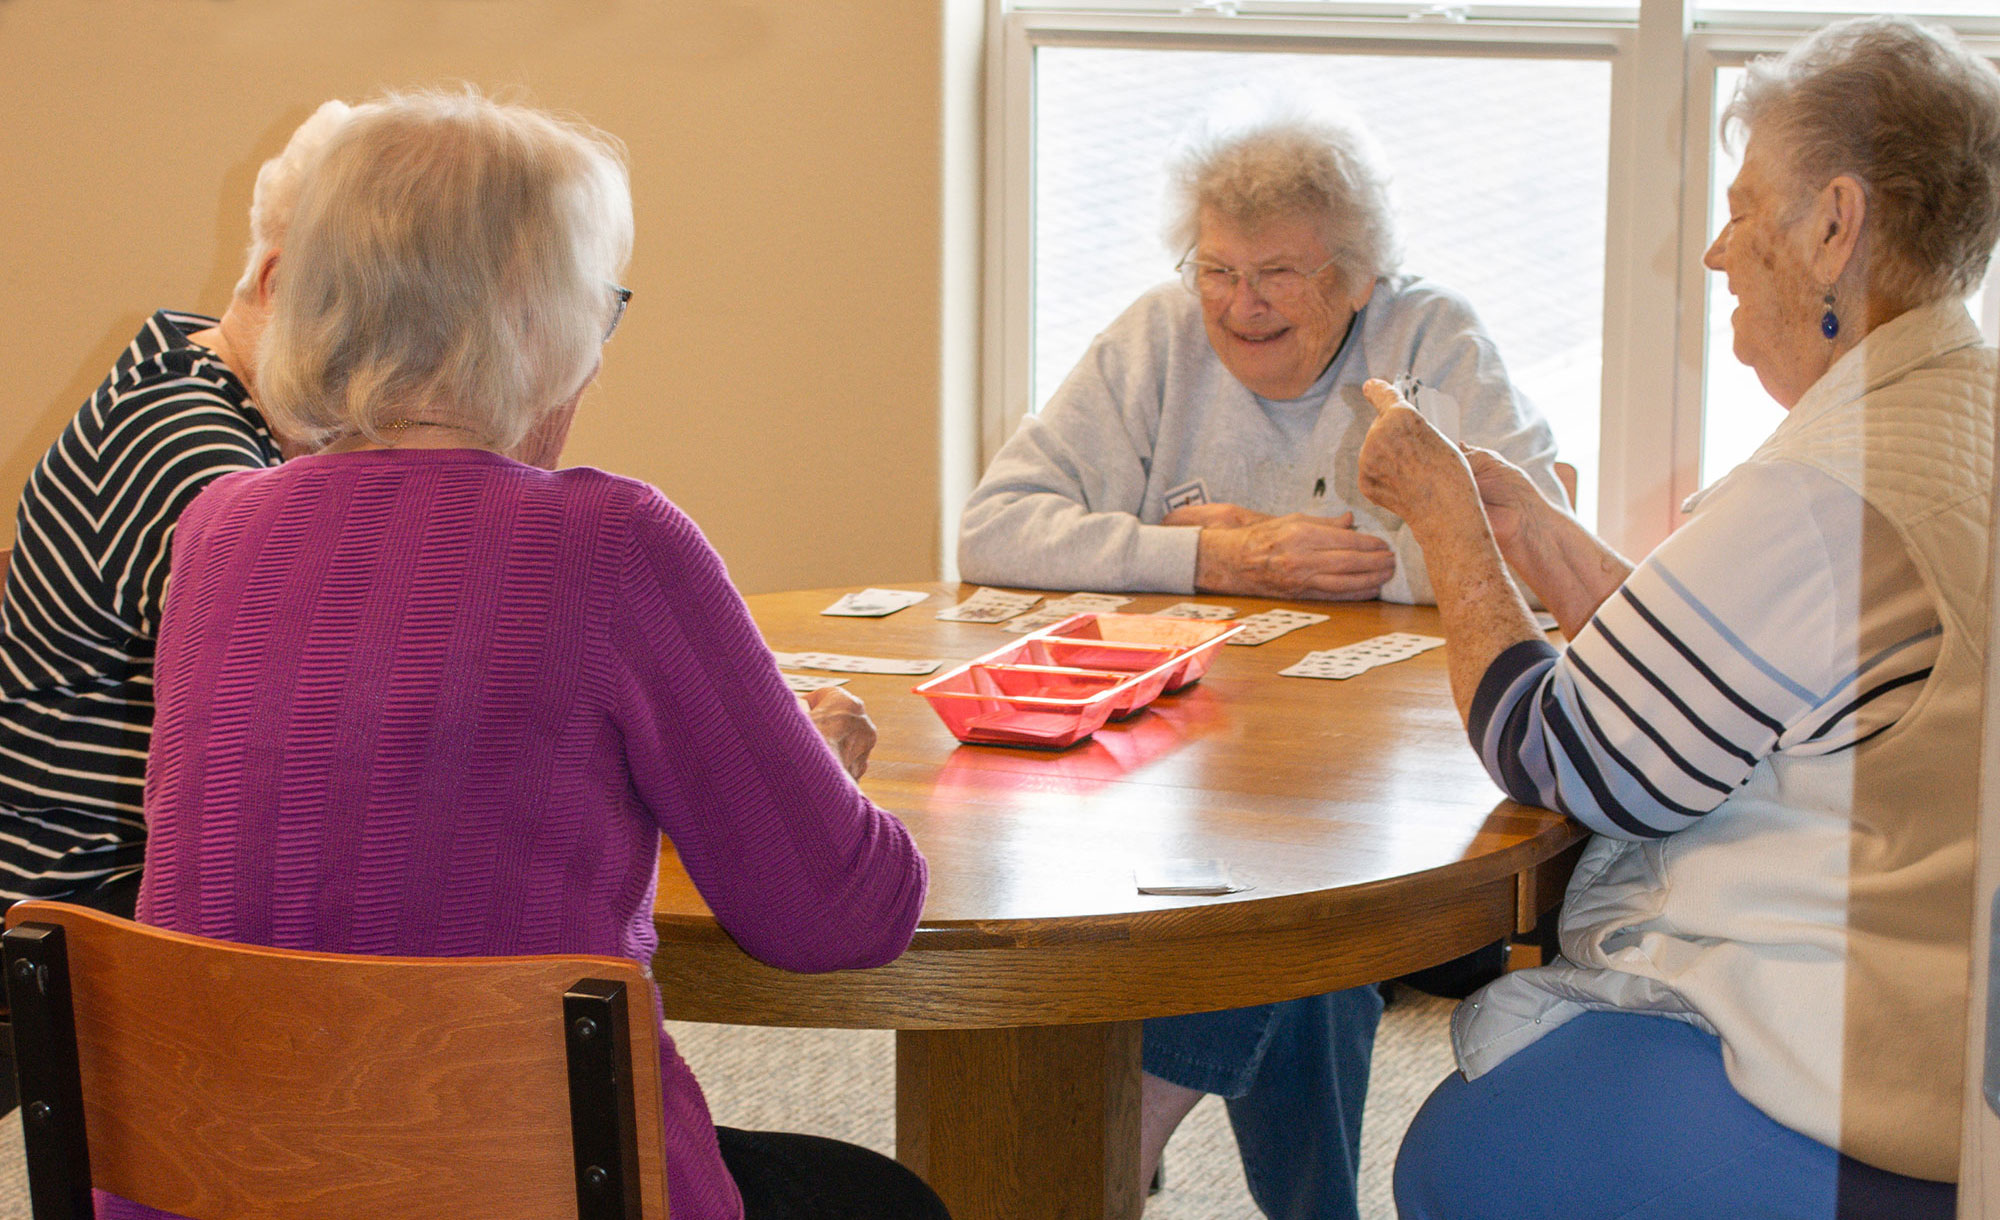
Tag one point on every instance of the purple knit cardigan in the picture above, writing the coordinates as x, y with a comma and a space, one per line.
436, 702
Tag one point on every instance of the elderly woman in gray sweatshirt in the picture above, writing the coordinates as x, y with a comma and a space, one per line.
1208, 442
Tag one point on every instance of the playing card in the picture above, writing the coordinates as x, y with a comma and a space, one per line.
1077, 603
1185, 876
1036, 620
1195, 610
1057, 611
1432, 403
989, 606
840, 663
1358, 658
1268, 626
806, 684
874, 603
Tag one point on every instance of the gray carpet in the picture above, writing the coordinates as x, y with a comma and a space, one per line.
842, 1083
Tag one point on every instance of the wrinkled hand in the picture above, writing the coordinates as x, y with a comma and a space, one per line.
1507, 492
1294, 556
1214, 515
841, 719
1408, 467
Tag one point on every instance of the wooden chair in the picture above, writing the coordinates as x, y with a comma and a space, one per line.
232, 1081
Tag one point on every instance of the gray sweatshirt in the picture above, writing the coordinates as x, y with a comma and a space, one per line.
1150, 419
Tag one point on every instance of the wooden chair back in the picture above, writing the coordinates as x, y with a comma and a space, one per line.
230, 1081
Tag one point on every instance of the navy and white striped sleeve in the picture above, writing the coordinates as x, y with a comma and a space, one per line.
1754, 629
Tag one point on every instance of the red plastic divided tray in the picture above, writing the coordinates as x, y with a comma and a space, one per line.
1057, 686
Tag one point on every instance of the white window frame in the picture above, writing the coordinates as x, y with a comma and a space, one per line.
1662, 113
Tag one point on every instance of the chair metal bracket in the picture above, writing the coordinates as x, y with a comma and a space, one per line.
36, 961
603, 1126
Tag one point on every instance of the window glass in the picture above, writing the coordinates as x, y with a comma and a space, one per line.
1500, 173
1914, 8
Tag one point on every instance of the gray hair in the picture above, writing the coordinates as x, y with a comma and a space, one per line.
1286, 161
277, 191
453, 259
1915, 118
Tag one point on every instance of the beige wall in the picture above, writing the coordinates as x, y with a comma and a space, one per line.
778, 374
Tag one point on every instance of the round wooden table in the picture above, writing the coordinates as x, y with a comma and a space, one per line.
1371, 841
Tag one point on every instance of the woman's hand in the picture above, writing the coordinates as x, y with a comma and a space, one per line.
1409, 468
841, 719
1510, 497
1293, 556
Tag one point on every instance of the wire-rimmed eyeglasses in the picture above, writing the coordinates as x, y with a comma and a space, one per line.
1216, 281
620, 298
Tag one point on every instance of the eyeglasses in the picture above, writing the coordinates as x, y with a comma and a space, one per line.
1215, 282
620, 298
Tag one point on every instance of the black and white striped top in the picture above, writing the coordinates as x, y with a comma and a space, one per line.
1785, 616
82, 606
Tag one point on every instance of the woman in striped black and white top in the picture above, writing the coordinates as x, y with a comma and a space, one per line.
1772, 723
89, 571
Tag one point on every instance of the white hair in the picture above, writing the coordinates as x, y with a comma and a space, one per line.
453, 258
1252, 160
1911, 114
277, 191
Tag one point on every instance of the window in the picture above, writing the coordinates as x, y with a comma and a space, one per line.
1499, 168
1556, 165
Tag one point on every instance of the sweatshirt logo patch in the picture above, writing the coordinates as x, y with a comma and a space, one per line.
1195, 492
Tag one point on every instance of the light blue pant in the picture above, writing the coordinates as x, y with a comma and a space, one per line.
1630, 1116
1295, 1078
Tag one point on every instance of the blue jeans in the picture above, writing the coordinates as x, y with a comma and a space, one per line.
1295, 1078
1629, 1115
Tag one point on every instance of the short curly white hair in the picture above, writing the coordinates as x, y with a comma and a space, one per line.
452, 258
1254, 160
1911, 114
277, 191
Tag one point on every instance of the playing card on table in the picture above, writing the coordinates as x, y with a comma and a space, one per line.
989, 606
874, 603
1359, 658
1268, 626
1077, 603
851, 665
1185, 877
806, 684
1057, 611
1051, 613
1195, 610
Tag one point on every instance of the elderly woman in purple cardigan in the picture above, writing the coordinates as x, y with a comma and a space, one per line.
421, 693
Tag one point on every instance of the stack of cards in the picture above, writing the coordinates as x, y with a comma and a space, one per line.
1359, 658
1057, 611
806, 684
874, 603
1268, 626
1195, 610
989, 606
852, 665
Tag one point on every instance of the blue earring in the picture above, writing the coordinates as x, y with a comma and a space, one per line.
1829, 325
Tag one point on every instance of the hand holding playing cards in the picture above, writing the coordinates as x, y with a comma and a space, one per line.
1409, 468
1510, 498
844, 723
1294, 556
1212, 515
